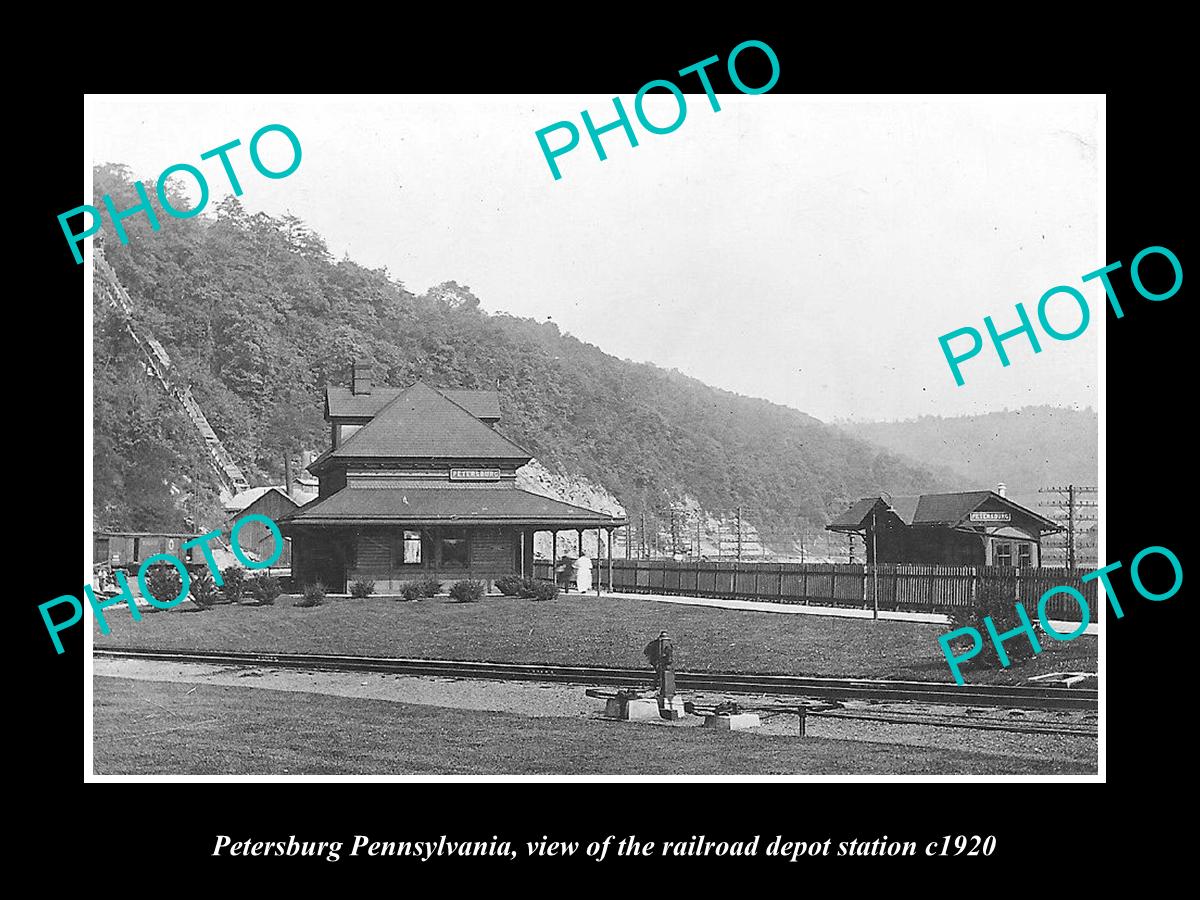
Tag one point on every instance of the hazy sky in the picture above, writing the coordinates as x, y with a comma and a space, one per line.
809, 251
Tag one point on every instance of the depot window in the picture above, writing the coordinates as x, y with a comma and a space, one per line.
412, 548
454, 548
1024, 555
1004, 555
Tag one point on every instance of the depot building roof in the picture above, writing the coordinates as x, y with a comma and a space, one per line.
445, 505
422, 422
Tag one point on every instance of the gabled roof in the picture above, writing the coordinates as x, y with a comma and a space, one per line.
448, 505
245, 499
856, 514
423, 423
941, 509
343, 403
949, 509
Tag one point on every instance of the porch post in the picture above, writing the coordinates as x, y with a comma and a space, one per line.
610, 556
598, 561
521, 549
554, 556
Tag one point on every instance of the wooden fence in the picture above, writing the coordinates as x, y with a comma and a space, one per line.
902, 587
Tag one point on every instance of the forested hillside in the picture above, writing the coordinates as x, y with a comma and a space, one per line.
258, 316
1027, 448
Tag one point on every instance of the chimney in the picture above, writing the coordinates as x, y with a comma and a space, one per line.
1002, 489
360, 377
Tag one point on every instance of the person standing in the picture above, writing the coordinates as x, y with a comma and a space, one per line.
660, 654
583, 573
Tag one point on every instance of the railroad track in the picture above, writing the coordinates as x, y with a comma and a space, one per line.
1014, 697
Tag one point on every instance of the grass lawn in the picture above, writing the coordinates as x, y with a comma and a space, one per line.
578, 631
146, 727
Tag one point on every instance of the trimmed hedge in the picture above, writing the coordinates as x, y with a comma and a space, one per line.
314, 595
164, 583
235, 584
543, 590
511, 585
429, 585
362, 589
467, 591
265, 589
204, 589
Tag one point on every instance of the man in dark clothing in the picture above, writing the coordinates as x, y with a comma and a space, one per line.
660, 654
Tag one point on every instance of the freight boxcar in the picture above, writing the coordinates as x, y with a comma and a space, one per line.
128, 550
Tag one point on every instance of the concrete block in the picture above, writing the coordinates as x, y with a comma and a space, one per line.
733, 723
614, 707
641, 710
675, 711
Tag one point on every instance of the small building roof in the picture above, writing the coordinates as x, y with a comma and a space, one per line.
856, 514
421, 422
245, 499
446, 505
948, 509
343, 403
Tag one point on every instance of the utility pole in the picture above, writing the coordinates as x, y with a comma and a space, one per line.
739, 532
1067, 511
875, 562
1070, 526
643, 550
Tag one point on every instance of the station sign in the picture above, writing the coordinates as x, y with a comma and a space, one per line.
474, 474
991, 518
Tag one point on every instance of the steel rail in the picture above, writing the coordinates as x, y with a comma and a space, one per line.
1016, 697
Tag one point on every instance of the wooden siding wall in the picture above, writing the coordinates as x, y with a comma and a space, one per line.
902, 587
492, 551
378, 551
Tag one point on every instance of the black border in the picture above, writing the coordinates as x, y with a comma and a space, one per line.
1146, 498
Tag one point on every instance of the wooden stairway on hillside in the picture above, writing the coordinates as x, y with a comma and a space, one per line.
158, 363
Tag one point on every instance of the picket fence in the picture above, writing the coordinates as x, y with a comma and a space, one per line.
902, 587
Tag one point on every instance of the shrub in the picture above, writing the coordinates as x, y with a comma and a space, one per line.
510, 585
314, 595
467, 591
264, 589
531, 586
204, 589
1001, 606
164, 583
235, 584
411, 591
361, 589
429, 585
544, 590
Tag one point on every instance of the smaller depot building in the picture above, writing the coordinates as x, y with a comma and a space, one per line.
966, 528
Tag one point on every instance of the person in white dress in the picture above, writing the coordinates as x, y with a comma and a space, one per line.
583, 573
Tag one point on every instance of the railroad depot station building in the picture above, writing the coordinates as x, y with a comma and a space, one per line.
418, 482
968, 528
